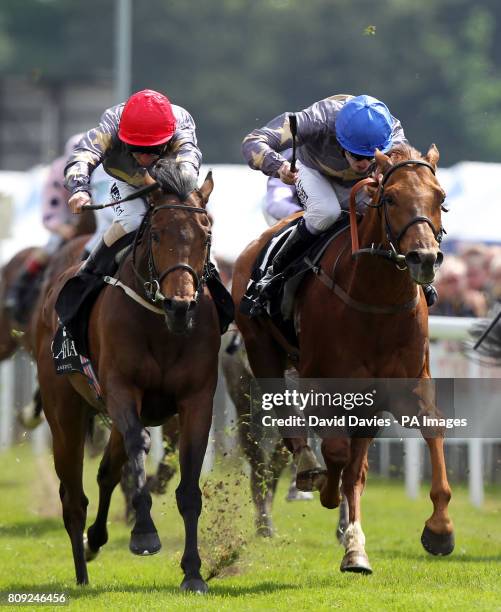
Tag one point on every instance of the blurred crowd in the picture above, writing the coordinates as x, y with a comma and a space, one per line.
469, 282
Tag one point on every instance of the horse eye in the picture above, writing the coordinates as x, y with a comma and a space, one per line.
155, 237
389, 201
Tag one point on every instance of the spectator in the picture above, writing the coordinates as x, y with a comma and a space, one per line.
456, 299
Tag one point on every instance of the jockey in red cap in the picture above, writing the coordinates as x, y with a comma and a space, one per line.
128, 140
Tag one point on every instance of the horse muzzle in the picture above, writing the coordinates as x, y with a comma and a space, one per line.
423, 264
179, 314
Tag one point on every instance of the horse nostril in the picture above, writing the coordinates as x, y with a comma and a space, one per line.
440, 259
192, 305
413, 258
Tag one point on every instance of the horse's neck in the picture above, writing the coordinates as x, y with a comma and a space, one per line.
371, 276
139, 261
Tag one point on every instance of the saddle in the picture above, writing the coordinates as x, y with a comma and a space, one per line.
79, 293
280, 307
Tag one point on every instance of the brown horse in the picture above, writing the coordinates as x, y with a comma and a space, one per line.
9, 340
372, 322
151, 362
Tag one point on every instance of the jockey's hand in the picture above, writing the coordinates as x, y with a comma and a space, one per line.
286, 175
77, 200
66, 231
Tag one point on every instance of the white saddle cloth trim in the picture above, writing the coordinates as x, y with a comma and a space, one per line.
265, 263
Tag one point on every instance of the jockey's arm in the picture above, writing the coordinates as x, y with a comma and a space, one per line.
184, 144
89, 153
262, 147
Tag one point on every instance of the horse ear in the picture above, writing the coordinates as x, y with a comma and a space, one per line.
432, 156
155, 194
207, 187
383, 162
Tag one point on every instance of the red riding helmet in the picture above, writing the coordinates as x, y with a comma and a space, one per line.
147, 119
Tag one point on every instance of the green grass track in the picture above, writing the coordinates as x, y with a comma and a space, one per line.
296, 570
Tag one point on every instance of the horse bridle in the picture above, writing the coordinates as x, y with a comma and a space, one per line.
394, 240
152, 284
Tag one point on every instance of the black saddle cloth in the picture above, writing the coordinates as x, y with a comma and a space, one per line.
280, 307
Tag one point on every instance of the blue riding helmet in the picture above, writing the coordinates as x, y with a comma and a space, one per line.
363, 125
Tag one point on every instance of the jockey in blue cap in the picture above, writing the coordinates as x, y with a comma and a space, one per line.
336, 138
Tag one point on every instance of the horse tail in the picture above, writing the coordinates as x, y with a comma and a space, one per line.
91, 426
489, 346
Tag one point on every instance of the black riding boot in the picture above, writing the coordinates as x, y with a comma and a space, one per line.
101, 260
297, 242
431, 294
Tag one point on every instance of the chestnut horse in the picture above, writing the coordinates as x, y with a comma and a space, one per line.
375, 326
155, 352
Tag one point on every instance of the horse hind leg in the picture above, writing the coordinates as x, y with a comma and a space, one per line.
68, 445
166, 469
108, 477
438, 534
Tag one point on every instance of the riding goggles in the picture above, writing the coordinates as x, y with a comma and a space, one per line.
358, 157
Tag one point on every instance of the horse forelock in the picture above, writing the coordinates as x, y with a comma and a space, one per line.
402, 152
173, 178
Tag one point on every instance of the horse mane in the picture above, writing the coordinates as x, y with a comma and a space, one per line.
173, 178
402, 152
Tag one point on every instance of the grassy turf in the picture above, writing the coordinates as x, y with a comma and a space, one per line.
297, 570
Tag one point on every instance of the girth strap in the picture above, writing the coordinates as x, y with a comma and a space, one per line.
355, 304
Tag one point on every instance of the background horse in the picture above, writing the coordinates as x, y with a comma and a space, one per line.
376, 326
151, 362
14, 335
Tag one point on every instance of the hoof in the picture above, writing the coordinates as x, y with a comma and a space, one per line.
89, 554
194, 585
295, 494
356, 562
265, 530
28, 417
145, 544
439, 544
311, 480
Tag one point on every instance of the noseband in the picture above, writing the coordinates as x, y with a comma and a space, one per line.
394, 253
152, 284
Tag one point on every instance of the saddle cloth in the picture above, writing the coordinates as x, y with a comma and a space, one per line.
68, 360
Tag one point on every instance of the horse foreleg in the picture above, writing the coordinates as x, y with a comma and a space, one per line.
353, 482
108, 476
124, 412
195, 419
438, 534
336, 453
